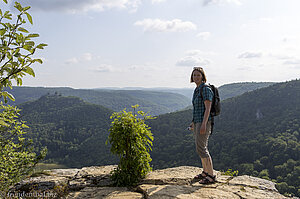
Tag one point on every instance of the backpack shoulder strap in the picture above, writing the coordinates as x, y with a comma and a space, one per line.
201, 90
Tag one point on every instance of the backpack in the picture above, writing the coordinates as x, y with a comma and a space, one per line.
215, 105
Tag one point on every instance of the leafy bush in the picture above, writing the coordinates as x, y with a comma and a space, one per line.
130, 139
17, 158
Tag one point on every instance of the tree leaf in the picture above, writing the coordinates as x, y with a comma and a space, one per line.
27, 47
6, 94
41, 46
2, 31
38, 60
30, 43
23, 30
33, 35
10, 96
29, 17
29, 71
26, 8
2, 123
18, 6
19, 81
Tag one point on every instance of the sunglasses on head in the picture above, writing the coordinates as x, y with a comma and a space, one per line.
198, 68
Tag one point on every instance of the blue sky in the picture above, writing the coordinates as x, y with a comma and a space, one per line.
156, 43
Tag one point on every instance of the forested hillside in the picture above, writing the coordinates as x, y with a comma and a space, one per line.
257, 133
150, 101
235, 89
73, 131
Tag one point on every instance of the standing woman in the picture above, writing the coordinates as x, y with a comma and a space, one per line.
201, 123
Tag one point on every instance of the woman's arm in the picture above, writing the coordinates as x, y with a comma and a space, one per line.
207, 104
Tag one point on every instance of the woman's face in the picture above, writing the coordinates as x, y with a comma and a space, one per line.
197, 77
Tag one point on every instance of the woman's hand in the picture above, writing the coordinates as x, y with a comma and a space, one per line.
203, 128
192, 126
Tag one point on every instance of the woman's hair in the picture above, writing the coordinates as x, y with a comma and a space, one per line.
200, 69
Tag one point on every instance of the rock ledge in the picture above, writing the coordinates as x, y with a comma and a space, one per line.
178, 182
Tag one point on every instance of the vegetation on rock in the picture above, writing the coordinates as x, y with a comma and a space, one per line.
131, 140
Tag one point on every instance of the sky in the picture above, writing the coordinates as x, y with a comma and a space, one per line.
156, 43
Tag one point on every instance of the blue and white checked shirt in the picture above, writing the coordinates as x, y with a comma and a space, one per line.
198, 102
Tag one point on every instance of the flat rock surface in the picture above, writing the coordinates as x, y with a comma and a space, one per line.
178, 182
105, 192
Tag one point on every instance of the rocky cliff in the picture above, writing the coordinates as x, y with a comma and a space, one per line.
94, 182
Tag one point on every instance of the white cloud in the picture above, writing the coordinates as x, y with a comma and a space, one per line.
192, 61
133, 68
294, 61
266, 19
199, 53
194, 58
157, 1
83, 58
104, 68
281, 56
221, 2
204, 35
290, 39
149, 67
87, 56
248, 55
158, 25
72, 60
74, 6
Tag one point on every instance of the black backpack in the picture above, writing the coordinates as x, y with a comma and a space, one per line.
215, 105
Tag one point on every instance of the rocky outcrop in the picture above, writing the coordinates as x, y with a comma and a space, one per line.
178, 182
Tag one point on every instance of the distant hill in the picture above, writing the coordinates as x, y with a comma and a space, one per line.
226, 90
188, 92
150, 101
73, 131
235, 89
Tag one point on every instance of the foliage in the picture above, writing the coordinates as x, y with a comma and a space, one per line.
16, 49
130, 139
230, 172
16, 159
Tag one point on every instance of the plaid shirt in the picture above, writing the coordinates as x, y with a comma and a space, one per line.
198, 102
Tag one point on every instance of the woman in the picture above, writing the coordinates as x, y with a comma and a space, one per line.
201, 123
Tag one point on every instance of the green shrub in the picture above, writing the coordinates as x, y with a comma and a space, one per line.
17, 157
130, 139
229, 172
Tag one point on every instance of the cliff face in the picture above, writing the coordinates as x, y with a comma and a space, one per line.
94, 182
